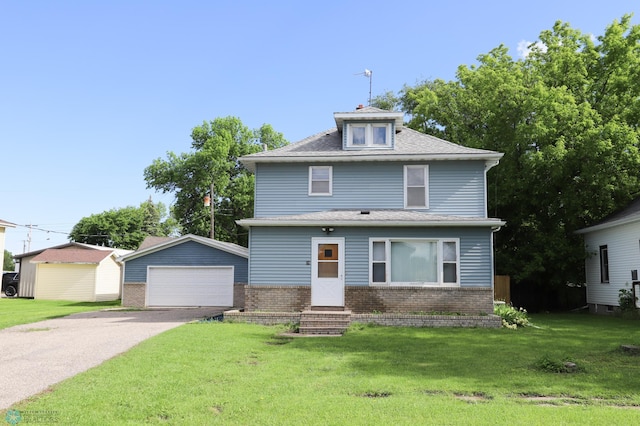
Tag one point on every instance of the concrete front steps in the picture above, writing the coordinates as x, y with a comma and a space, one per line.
324, 321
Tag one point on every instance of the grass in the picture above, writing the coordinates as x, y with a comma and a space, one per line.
226, 373
14, 311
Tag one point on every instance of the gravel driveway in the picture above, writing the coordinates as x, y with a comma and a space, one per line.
38, 355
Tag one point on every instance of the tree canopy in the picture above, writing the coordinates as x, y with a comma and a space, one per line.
566, 118
124, 228
215, 148
8, 264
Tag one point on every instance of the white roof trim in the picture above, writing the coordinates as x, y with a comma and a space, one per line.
606, 225
220, 245
396, 117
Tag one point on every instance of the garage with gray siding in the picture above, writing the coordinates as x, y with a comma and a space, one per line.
185, 271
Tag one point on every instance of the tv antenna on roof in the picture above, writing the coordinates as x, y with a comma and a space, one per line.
367, 73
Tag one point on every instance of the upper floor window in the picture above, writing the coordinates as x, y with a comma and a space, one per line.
416, 186
604, 264
369, 135
320, 180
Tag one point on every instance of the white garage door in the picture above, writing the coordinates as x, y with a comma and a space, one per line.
190, 286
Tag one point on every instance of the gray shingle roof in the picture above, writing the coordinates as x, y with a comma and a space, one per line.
630, 213
72, 255
6, 224
376, 217
170, 242
408, 143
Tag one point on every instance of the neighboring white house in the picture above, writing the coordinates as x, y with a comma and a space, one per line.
3, 225
613, 258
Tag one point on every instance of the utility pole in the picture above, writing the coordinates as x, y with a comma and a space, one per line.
208, 202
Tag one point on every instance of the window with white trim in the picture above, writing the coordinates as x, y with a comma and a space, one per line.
369, 135
320, 180
416, 187
414, 261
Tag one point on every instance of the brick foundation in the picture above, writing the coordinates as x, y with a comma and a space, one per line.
277, 298
392, 320
133, 295
364, 300
238, 295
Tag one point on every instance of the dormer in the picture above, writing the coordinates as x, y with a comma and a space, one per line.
368, 128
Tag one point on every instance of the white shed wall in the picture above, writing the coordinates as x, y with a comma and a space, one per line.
66, 282
108, 280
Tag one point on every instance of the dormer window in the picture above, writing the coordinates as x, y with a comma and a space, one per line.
368, 135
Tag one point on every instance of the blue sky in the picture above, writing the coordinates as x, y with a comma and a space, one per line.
91, 92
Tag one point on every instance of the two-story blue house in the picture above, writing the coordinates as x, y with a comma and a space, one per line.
373, 217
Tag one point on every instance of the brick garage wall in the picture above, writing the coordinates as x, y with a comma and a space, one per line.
133, 295
468, 301
238, 294
364, 300
277, 298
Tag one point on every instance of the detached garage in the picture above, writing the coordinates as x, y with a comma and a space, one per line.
185, 271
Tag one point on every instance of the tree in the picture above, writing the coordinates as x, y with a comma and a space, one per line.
388, 101
216, 147
566, 118
124, 228
9, 264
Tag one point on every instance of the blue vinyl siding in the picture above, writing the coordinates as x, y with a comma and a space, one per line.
282, 256
189, 253
455, 188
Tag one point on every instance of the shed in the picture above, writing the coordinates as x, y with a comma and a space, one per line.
186, 271
70, 267
74, 271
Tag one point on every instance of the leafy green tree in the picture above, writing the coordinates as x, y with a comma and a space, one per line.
213, 160
9, 264
124, 228
388, 101
566, 118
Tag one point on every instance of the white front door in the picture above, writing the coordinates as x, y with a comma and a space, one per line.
327, 272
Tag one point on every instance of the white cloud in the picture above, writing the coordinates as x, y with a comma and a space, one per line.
525, 47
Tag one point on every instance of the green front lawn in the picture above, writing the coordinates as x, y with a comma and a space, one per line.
14, 311
225, 373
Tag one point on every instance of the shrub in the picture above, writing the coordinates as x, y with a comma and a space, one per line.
511, 317
626, 300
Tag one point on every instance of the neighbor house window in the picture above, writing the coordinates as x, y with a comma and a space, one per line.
320, 180
414, 262
416, 187
604, 264
369, 135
